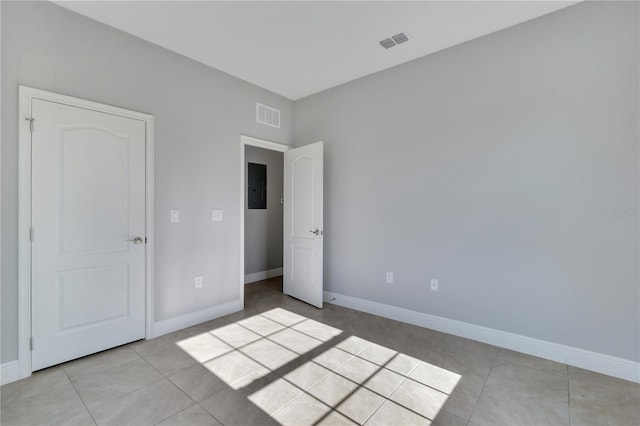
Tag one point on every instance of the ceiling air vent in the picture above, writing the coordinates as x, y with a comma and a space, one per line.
267, 115
400, 38
387, 43
393, 41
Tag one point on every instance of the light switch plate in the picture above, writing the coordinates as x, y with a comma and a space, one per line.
175, 216
217, 215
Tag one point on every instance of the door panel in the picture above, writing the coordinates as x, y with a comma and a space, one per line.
83, 228
303, 227
88, 199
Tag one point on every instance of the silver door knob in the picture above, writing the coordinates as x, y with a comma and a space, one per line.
136, 240
317, 231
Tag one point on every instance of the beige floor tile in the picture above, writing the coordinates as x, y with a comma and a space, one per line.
392, 414
419, 398
377, 354
307, 375
533, 362
520, 390
360, 405
235, 335
47, 407
335, 419
274, 396
473, 378
236, 369
358, 370
192, 416
438, 378
233, 408
283, 316
353, 345
317, 330
101, 361
332, 389
82, 419
268, 353
197, 382
147, 347
592, 404
295, 341
590, 377
384, 382
149, 405
445, 418
39, 381
333, 358
465, 396
500, 407
261, 325
303, 411
170, 359
528, 382
402, 364
102, 387
203, 347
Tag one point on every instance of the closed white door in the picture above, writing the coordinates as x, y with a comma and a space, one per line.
303, 224
88, 220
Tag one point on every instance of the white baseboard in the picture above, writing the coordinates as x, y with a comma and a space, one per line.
262, 275
600, 363
9, 372
187, 320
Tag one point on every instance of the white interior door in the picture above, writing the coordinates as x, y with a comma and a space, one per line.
303, 225
88, 204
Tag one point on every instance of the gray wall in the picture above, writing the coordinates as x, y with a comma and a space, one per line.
199, 116
263, 227
492, 166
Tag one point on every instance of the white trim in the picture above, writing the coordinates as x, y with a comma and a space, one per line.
9, 372
193, 318
262, 275
260, 143
26, 95
601, 363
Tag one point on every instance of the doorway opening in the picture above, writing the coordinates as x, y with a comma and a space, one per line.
262, 211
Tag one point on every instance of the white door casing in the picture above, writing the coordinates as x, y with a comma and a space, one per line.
84, 193
303, 223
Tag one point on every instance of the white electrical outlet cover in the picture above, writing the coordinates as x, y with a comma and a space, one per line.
175, 216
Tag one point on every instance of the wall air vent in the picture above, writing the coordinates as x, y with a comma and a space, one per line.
394, 40
267, 115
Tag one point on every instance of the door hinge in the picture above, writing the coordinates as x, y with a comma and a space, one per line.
31, 234
30, 343
30, 120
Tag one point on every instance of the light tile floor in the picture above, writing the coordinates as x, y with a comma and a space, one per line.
284, 362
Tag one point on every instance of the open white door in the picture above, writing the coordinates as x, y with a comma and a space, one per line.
303, 223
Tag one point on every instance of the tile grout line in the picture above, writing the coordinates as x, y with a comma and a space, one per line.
79, 397
475, 404
404, 379
164, 377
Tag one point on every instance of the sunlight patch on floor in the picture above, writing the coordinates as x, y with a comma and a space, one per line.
353, 382
247, 350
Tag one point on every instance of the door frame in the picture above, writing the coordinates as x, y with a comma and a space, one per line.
259, 143
26, 95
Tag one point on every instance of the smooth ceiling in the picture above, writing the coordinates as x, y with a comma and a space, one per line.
298, 48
